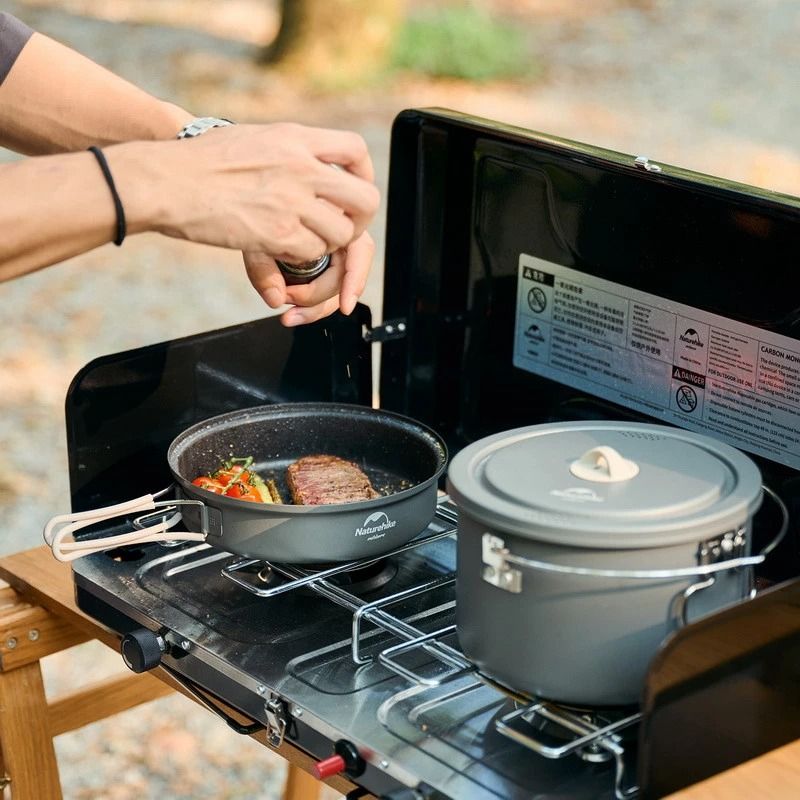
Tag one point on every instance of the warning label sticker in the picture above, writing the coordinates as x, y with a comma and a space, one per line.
670, 361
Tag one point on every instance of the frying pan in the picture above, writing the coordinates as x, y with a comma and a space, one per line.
403, 459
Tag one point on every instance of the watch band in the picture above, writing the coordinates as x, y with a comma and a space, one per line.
201, 125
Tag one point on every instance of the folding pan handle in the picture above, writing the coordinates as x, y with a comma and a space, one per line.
58, 533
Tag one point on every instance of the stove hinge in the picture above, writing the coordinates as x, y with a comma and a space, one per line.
277, 719
390, 329
642, 162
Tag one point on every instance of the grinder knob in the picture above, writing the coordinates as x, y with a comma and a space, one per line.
142, 649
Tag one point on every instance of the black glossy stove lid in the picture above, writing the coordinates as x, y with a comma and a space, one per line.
467, 196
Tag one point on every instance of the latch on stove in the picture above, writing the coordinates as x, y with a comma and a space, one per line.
277, 719
391, 329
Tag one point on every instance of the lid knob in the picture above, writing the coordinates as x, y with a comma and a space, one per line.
604, 464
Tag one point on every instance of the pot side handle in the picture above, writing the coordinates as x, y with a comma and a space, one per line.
59, 531
497, 559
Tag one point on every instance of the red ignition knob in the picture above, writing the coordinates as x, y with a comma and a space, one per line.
328, 767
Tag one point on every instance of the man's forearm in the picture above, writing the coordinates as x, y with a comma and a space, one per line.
61, 207
55, 100
254, 188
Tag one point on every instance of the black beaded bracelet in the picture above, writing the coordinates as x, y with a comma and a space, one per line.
121, 226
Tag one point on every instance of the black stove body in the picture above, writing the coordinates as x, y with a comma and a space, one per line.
528, 280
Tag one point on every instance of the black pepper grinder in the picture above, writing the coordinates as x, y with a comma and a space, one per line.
295, 274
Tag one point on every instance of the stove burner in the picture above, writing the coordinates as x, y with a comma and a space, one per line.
552, 726
601, 716
361, 579
364, 575
605, 714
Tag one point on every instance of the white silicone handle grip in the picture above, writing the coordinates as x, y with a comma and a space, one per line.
64, 525
603, 464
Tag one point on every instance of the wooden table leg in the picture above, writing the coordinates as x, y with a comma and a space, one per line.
300, 785
28, 719
46, 620
28, 751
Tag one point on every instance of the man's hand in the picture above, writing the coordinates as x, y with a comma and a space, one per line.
255, 188
339, 287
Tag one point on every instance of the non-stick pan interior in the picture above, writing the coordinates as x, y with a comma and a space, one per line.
396, 453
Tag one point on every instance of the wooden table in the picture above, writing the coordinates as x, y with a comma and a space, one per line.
38, 617
773, 776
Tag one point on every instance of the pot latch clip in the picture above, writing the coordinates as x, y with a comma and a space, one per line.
496, 570
729, 545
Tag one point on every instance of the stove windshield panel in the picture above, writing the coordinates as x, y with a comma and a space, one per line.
123, 410
472, 203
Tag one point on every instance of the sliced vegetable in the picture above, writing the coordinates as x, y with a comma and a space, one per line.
236, 479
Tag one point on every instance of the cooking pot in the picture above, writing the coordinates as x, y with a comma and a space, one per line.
582, 545
402, 458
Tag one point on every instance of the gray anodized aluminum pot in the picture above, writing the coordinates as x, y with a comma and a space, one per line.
544, 509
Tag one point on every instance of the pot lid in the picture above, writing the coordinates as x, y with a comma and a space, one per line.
605, 484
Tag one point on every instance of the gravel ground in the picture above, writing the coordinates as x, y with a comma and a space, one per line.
709, 86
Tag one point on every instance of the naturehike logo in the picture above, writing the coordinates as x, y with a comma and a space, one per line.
376, 525
534, 333
691, 336
577, 495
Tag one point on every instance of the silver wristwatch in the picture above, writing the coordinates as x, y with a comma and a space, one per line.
201, 125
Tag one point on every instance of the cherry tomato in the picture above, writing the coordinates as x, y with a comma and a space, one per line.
244, 491
210, 484
236, 472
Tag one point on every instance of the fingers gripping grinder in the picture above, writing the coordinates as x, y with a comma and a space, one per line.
305, 272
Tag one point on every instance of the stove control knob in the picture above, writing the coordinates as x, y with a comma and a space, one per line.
346, 759
142, 649
328, 767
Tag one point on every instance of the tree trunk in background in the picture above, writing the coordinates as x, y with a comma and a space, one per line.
335, 42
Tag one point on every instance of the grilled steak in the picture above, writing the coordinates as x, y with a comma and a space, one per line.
323, 480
